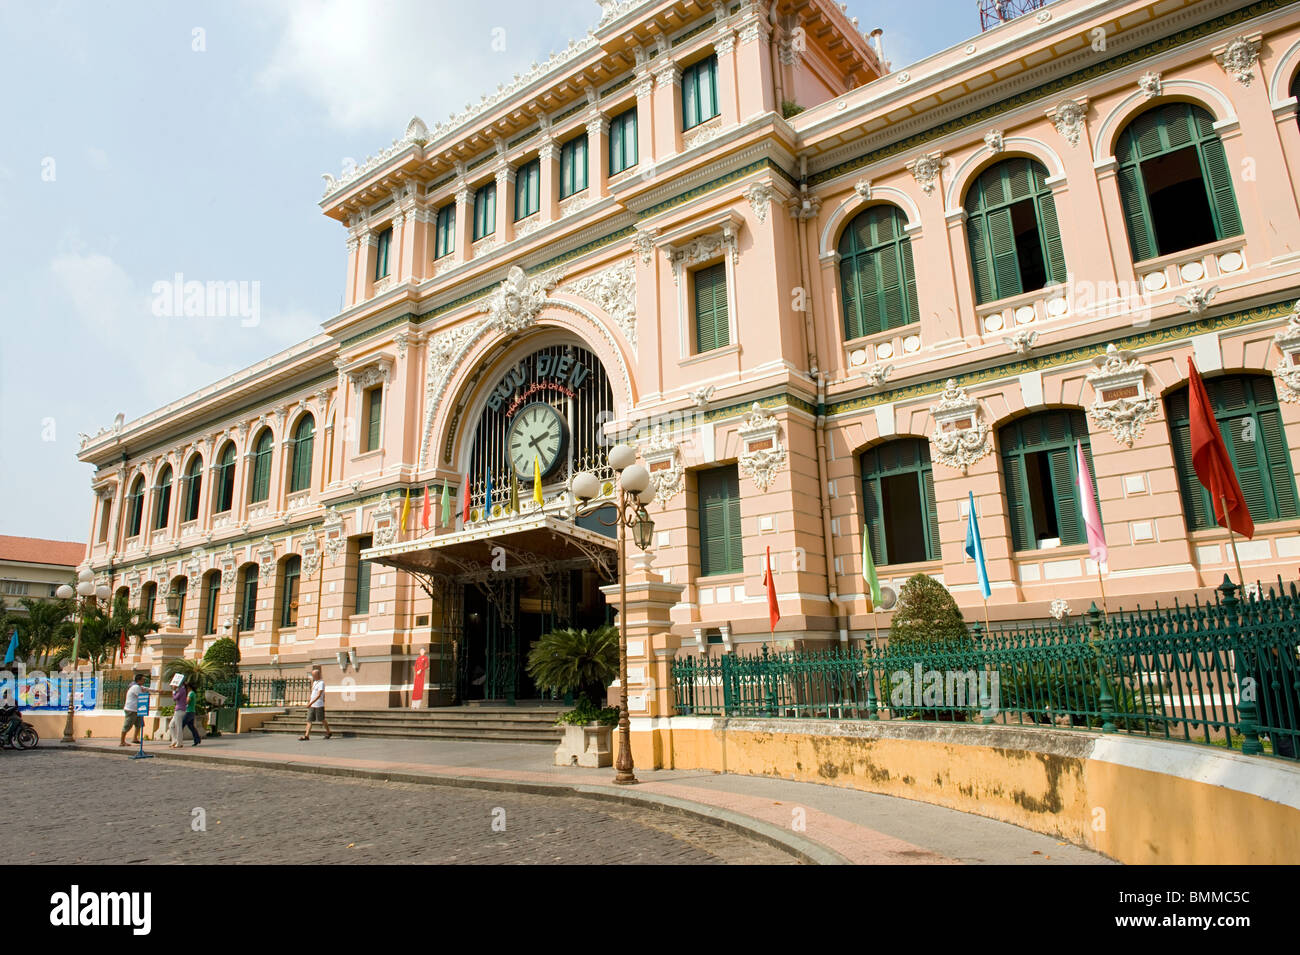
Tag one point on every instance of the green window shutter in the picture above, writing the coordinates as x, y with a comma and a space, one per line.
1249, 461
289, 613
851, 299
573, 166
622, 142
720, 538
1278, 462
690, 105
1069, 522
1196, 502
362, 603
214, 598
932, 549
913, 313
1051, 232
1218, 181
485, 210
871, 510
877, 275
381, 253
1002, 250
709, 89
1013, 469
445, 232
890, 297
711, 329
1137, 218
375, 408
980, 263
304, 438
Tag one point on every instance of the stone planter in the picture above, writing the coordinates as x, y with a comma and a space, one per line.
590, 745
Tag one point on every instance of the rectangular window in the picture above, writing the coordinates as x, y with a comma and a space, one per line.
622, 142
182, 585
720, 540
445, 231
14, 588
573, 166
213, 600
528, 189
485, 210
289, 596
700, 92
362, 605
374, 415
381, 253
709, 295
248, 607
105, 510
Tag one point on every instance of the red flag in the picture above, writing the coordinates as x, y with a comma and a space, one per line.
122, 645
1211, 461
424, 517
773, 613
464, 510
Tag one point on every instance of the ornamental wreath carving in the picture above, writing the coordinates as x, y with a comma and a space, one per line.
764, 455
1287, 371
518, 300
663, 458
227, 570
702, 249
1068, 119
613, 290
1238, 58
1122, 404
760, 199
333, 528
925, 171
961, 436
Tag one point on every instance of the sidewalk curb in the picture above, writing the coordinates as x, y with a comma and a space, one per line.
805, 850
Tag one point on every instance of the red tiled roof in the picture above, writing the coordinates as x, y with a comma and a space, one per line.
34, 550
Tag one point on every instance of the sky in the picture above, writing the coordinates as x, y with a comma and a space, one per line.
142, 140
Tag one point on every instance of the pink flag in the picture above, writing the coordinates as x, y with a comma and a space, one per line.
1091, 516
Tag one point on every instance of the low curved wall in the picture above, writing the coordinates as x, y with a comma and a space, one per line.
1135, 800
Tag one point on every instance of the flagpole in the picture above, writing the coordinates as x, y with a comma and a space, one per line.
987, 626
1101, 583
1232, 538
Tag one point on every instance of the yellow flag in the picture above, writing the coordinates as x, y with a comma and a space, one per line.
537, 480
406, 509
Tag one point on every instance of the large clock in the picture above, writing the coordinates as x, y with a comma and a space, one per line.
539, 432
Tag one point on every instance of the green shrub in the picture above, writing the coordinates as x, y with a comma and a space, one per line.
224, 653
587, 712
791, 108
584, 661
927, 618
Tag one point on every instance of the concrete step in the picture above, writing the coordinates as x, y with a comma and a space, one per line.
430, 733
533, 724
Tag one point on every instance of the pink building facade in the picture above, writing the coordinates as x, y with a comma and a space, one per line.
815, 291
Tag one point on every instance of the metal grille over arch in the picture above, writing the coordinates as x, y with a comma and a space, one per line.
564, 377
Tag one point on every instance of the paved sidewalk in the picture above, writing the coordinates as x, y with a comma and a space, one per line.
822, 823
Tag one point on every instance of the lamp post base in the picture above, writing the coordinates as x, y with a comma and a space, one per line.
625, 779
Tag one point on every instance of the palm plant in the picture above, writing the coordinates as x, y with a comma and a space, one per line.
44, 631
575, 661
101, 631
199, 674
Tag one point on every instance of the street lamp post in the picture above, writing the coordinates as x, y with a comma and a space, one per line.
633, 479
85, 592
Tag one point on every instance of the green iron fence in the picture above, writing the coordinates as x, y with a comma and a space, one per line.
1222, 673
245, 690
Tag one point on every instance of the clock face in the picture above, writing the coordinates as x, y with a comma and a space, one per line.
538, 432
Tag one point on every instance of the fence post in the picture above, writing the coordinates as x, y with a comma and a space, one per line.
726, 666
1247, 710
869, 664
1107, 700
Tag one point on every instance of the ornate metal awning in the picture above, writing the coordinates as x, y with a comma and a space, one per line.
529, 544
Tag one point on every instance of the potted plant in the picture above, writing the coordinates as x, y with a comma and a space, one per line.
583, 662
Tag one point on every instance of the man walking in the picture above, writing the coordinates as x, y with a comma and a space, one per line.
132, 708
316, 705
179, 697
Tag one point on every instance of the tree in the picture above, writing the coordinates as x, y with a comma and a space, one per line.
46, 629
101, 631
200, 674
575, 661
927, 618
224, 653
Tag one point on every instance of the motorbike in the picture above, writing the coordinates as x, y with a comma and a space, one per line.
15, 732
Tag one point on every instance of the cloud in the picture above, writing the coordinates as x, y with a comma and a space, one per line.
373, 66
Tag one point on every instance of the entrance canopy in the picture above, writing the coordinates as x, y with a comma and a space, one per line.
529, 543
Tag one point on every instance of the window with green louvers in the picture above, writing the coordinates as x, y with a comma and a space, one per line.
709, 291
898, 502
1175, 185
362, 603
1041, 475
700, 92
248, 602
260, 488
1012, 231
289, 593
374, 417
485, 210
211, 602
136, 498
193, 484
528, 189
622, 142
303, 439
877, 277
381, 253
720, 538
1245, 406
445, 231
573, 166
224, 480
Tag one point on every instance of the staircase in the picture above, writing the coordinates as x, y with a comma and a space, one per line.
505, 724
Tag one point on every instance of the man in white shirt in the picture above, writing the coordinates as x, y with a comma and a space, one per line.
132, 710
316, 705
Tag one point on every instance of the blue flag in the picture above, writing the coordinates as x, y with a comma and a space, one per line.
13, 648
975, 548
487, 496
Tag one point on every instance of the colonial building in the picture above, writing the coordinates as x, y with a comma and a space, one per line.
34, 568
815, 290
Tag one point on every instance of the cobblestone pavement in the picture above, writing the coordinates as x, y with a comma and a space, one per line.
113, 810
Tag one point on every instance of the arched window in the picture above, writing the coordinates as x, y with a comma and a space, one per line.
148, 600
877, 279
303, 437
135, 504
180, 587
225, 479
1174, 182
898, 502
289, 592
260, 487
162, 502
1012, 232
211, 597
1040, 468
192, 485
247, 605
1245, 407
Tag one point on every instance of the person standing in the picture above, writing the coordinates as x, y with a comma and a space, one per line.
179, 696
132, 711
191, 709
316, 705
